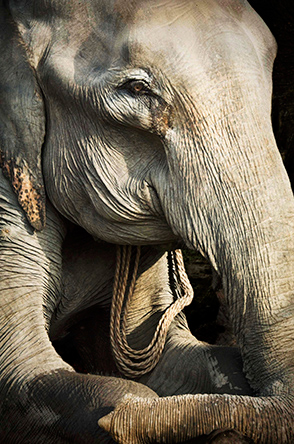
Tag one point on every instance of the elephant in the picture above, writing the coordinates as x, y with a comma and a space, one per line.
129, 130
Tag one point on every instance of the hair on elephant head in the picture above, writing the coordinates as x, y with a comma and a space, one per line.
141, 123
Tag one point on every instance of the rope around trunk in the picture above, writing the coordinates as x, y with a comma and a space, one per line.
134, 363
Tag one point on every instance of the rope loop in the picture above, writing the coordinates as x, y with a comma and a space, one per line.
134, 363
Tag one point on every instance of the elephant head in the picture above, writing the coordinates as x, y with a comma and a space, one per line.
155, 118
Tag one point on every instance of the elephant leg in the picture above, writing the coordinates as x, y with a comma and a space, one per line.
42, 398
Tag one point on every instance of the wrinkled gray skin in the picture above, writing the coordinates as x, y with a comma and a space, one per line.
153, 120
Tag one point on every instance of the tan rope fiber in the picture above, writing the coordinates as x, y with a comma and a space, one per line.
134, 363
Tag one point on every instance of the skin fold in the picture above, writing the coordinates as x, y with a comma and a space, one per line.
140, 123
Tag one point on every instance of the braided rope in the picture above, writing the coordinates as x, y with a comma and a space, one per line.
134, 363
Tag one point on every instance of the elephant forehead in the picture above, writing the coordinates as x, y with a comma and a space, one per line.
180, 37
127, 10
180, 25
188, 40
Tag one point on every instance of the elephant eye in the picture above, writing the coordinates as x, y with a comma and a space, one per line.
136, 87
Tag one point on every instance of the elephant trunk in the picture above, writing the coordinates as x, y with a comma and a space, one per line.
179, 418
237, 208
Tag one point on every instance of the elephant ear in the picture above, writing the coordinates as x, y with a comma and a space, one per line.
22, 122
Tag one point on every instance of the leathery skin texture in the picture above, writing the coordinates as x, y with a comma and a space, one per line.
141, 124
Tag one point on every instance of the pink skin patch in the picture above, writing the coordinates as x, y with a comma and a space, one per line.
29, 197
